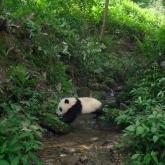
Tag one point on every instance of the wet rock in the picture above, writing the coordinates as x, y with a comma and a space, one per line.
83, 159
94, 139
162, 64
84, 92
63, 155
90, 163
108, 145
69, 150
106, 142
78, 163
70, 160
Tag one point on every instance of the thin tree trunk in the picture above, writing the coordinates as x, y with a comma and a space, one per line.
1, 3
104, 19
1, 6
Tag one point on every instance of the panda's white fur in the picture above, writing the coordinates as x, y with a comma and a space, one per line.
70, 107
90, 104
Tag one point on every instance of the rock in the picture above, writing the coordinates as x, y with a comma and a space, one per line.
78, 163
90, 163
70, 160
106, 142
69, 150
162, 64
94, 139
72, 150
83, 159
109, 146
83, 92
63, 155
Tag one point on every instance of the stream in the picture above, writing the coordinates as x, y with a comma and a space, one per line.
89, 143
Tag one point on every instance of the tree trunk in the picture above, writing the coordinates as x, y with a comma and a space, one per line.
104, 19
1, 6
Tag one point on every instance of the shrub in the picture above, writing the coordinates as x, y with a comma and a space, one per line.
145, 119
19, 138
147, 138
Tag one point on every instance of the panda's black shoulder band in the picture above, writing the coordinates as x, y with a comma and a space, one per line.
73, 112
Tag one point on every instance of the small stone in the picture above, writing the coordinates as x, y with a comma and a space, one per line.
63, 155
162, 64
90, 163
70, 160
69, 150
110, 146
83, 159
94, 139
72, 150
106, 142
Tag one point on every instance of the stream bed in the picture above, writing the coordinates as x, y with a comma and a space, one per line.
88, 143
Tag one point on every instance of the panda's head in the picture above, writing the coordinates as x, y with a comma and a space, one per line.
65, 104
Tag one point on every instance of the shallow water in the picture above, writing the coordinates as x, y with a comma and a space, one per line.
88, 144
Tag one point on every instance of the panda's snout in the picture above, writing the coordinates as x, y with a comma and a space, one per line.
60, 109
59, 112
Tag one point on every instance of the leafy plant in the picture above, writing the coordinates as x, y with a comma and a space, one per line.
19, 138
147, 138
145, 119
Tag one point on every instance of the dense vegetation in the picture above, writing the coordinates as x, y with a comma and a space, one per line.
50, 48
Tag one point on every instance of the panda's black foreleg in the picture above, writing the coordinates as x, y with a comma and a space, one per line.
71, 115
97, 114
69, 118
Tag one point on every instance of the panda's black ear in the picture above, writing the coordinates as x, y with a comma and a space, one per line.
66, 101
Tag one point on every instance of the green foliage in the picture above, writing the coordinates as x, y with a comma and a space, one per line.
146, 94
109, 115
153, 46
19, 75
156, 6
19, 132
145, 117
20, 106
55, 36
19, 138
127, 19
58, 36
20, 85
147, 138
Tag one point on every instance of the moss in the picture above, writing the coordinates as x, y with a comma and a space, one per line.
53, 123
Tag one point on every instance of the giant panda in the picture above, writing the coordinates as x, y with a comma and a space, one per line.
69, 108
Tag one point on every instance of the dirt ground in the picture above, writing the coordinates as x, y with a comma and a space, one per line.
88, 144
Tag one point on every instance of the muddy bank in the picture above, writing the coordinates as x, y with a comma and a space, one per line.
89, 143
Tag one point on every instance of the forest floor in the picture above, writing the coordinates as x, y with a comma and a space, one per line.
90, 143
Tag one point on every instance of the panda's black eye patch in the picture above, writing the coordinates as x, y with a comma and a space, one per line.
66, 101
60, 109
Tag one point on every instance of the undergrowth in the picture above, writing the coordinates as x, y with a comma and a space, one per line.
143, 118
47, 46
